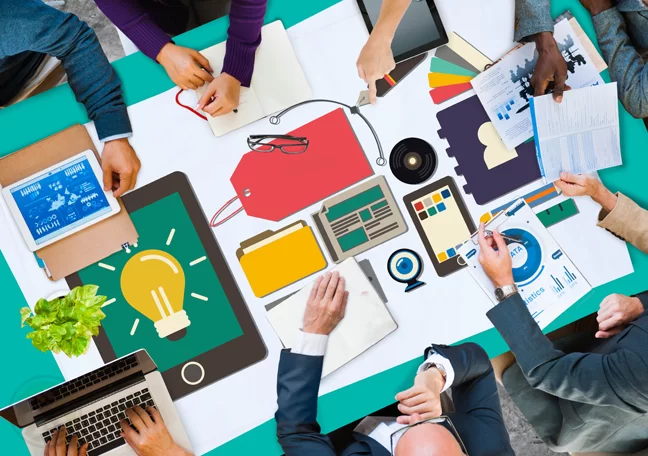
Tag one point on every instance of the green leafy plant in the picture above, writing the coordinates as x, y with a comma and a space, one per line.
65, 324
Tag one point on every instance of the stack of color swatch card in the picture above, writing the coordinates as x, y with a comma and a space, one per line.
452, 68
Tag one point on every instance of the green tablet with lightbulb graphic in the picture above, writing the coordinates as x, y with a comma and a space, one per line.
173, 294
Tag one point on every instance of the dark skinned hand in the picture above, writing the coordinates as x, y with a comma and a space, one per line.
597, 6
551, 68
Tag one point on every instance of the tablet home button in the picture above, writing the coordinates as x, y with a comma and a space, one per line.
193, 373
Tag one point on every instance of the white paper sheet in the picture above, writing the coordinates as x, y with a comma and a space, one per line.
366, 320
505, 88
579, 135
548, 281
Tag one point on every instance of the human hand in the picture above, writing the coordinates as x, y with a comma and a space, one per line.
120, 166
616, 313
597, 6
375, 61
551, 67
497, 263
585, 184
424, 398
57, 446
326, 304
225, 91
152, 437
187, 68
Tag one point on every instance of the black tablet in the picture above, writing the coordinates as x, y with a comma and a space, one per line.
442, 221
173, 294
419, 31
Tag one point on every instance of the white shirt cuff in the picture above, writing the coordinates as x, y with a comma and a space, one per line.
310, 344
113, 137
436, 358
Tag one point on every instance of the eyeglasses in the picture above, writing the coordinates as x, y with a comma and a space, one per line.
442, 420
288, 144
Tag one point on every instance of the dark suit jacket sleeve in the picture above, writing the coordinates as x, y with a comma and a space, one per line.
474, 390
616, 379
297, 387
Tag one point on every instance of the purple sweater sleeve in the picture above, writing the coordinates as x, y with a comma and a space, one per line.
244, 37
133, 18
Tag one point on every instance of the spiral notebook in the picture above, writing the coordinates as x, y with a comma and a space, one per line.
278, 81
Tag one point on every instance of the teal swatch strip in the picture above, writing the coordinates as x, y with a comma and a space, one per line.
43, 115
443, 66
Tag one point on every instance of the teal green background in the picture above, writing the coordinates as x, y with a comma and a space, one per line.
337, 408
212, 322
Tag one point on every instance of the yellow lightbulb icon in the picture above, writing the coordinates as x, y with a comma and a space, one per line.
153, 283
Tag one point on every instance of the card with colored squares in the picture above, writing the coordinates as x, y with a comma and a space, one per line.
442, 222
452, 68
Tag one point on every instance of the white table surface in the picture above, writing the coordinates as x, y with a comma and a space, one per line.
168, 138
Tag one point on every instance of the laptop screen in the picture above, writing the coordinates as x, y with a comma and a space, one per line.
78, 391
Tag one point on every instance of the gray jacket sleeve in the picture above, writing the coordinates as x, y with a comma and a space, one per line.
616, 379
531, 17
626, 66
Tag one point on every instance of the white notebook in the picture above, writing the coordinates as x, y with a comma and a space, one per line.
366, 321
278, 81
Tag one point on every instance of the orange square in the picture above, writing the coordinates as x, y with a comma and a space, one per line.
442, 256
437, 197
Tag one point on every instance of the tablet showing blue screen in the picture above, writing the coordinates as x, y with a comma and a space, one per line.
60, 200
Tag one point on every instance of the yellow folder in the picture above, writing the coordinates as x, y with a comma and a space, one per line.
275, 259
441, 80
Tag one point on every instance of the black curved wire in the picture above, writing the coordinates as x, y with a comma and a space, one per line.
380, 161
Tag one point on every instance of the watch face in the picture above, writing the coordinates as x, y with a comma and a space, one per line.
499, 293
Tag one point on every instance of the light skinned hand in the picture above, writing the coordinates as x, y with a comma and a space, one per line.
550, 67
58, 447
495, 258
424, 398
586, 185
615, 314
221, 96
597, 6
151, 437
375, 61
187, 68
326, 304
120, 166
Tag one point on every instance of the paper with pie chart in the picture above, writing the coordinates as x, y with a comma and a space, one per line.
546, 278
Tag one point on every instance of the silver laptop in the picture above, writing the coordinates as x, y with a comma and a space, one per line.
92, 405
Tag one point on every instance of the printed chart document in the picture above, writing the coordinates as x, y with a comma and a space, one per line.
547, 280
579, 135
505, 89
366, 319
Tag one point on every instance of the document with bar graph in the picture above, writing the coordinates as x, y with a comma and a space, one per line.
547, 279
359, 219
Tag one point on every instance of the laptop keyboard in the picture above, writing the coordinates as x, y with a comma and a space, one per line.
100, 428
83, 382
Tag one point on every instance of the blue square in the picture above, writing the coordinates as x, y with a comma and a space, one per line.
451, 253
445, 193
441, 207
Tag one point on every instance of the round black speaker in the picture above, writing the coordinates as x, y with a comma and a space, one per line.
413, 161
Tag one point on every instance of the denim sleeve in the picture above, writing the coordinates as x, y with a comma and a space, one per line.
31, 25
531, 17
624, 62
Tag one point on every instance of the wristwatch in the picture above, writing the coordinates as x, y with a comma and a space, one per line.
440, 368
501, 293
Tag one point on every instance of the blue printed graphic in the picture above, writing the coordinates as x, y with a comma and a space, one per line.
61, 200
